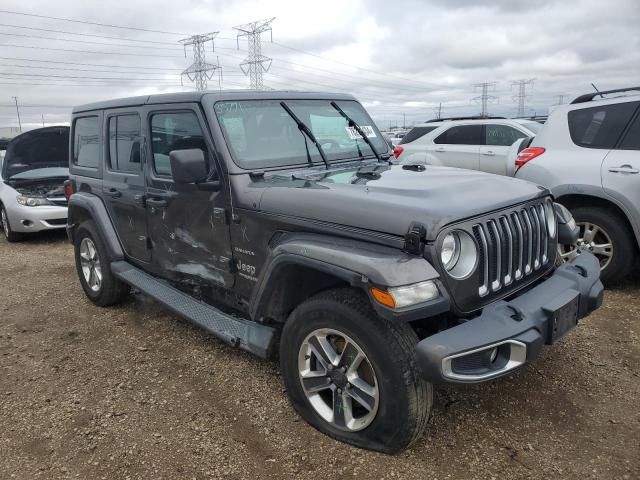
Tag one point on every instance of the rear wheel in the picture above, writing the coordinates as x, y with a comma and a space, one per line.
353, 375
9, 234
93, 267
603, 232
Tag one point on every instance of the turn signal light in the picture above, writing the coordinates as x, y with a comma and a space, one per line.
527, 155
383, 298
397, 151
68, 189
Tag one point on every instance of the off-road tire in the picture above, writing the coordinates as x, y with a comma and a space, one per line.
622, 239
405, 398
112, 290
9, 234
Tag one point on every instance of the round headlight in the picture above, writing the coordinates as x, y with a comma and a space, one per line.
450, 250
550, 215
459, 254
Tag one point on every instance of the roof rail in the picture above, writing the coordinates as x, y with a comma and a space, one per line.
477, 117
587, 97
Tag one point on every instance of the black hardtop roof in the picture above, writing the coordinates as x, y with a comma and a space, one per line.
188, 97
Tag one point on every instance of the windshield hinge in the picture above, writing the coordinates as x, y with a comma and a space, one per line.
415, 238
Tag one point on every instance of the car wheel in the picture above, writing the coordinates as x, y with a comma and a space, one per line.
9, 234
93, 267
603, 232
353, 375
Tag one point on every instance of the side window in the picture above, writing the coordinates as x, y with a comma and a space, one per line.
502, 135
416, 133
124, 143
462, 135
86, 142
631, 140
601, 126
174, 131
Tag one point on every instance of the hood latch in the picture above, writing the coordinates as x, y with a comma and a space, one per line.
415, 238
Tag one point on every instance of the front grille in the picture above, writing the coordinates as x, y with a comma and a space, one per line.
512, 247
56, 221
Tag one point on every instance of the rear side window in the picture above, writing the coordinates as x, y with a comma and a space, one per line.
502, 135
462, 135
124, 143
631, 140
174, 131
601, 126
86, 142
415, 133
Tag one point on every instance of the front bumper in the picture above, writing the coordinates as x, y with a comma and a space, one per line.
35, 219
508, 334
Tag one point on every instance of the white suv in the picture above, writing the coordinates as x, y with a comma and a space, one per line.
588, 155
476, 144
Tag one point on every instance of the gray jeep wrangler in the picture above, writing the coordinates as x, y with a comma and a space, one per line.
275, 221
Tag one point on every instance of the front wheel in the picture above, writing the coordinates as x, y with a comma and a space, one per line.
10, 235
603, 232
353, 375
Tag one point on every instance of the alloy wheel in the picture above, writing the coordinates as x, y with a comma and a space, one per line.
90, 263
592, 238
5, 222
338, 379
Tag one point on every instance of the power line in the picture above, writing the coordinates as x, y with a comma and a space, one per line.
522, 93
79, 63
82, 77
484, 97
40, 37
255, 63
75, 69
90, 23
89, 51
200, 71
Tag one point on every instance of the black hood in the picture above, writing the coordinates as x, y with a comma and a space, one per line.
388, 199
37, 149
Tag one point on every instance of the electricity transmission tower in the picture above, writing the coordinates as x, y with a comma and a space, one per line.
522, 93
256, 63
18, 112
200, 71
484, 97
438, 111
560, 99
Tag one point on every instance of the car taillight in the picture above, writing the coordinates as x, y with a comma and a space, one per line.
68, 189
527, 155
397, 151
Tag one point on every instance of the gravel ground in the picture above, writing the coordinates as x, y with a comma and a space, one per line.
134, 392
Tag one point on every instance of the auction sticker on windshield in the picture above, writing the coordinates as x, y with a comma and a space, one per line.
367, 129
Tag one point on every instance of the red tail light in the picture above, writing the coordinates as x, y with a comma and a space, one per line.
68, 189
397, 151
527, 155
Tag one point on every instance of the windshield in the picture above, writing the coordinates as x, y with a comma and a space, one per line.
533, 126
260, 133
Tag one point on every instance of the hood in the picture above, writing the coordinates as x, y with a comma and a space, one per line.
388, 199
37, 154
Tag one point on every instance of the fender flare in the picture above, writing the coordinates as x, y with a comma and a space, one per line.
356, 262
95, 209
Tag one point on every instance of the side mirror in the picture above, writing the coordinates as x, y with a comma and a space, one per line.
188, 166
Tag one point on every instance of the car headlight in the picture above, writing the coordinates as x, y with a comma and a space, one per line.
32, 201
399, 297
459, 254
550, 217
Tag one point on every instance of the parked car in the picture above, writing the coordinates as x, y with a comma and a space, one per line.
372, 281
476, 144
33, 172
588, 155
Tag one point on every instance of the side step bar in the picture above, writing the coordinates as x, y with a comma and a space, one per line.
251, 336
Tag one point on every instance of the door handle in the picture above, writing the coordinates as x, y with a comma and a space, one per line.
489, 153
440, 149
157, 202
112, 192
624, 169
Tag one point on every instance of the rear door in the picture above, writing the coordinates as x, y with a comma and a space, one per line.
188, 226
458, 147
621, 166
497, 140
123, 185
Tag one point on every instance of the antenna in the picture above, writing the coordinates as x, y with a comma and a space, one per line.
255, 64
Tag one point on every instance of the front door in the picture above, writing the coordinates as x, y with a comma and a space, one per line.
458, 146
188, 226
123, 184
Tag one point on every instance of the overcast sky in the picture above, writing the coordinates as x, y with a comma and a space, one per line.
398, 57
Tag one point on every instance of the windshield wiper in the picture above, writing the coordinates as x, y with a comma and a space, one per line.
353, 124
306, 131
